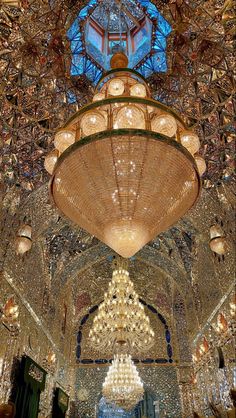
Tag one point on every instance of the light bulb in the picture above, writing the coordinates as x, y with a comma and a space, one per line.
164, 124
98, 96
130, 117
116, 87
63, 139
51, 160
190, 141
219, 245
201, 165
92, 122
138, 90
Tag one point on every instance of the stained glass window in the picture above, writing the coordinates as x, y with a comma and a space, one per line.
102, 27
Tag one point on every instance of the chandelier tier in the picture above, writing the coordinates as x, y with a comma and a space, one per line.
121, 322
128, 167
123, 386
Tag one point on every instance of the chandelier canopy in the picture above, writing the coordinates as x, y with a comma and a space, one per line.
128, 168
121, 322
123, 386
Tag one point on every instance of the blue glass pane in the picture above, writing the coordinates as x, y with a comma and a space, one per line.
163, 25
160, 42
82, 49
159, 62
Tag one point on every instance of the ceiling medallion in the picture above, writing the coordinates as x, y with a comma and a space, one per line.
128, 165
121, 323
123, 386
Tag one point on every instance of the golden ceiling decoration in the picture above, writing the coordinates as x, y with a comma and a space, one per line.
129, 167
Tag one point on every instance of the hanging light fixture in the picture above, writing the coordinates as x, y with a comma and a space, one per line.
127, 168
123, 386
121, 322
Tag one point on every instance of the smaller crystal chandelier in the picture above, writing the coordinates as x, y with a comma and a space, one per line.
121, 320
123, 386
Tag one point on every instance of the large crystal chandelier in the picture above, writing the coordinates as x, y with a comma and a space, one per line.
128, 166
121, 321
123, 386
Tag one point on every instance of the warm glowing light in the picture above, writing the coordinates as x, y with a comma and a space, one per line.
201, 164
63, 139
138, 90
125, 184
219, 245
122, 385
121, 320
23, 244
215, 231
51, 160
92, 122
130, 117
98, 96
190, 141
126, 237
116, 87
164, 124
25, 231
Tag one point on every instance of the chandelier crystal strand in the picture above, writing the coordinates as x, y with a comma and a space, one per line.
133, 169
121, 320
123, 386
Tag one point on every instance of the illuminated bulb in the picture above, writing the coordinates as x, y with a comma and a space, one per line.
130, 117
51, 160
164, 124
201, 165
92, 122
215, 231
23, 244
63, 139
98, 96
138, 90
218, 245
116, 87
190, 141
25, 231
126, 237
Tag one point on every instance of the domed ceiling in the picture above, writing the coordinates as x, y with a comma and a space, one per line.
38, 94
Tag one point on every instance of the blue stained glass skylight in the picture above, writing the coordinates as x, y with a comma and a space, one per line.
147, 56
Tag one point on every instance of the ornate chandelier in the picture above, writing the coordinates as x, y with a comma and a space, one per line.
123, 386
121, 321
128, 167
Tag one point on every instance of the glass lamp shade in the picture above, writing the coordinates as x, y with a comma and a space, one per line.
116, 87
92, 122
129, 236
98, 96
138, 90
23, 244
128, 182
130, 117
50, 160
63, 139
201, 165
215, 231
164, 124
25, 231
218, 245
190, 141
